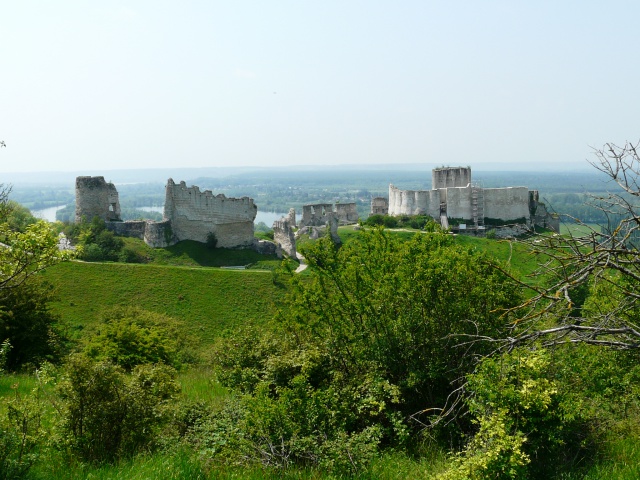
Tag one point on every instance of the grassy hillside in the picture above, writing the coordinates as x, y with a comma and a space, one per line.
207, 300
191, 253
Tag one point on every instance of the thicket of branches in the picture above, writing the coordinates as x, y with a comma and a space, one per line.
604, 262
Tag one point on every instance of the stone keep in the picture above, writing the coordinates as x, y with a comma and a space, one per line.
452, 195
194, 214
96, 198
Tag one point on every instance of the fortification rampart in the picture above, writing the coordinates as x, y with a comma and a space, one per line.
318, 214
506, 203
284, 238
189, 214
195, 214
450, 177
453, 196
414, 202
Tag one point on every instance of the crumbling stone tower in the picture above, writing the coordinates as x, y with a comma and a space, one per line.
96, 198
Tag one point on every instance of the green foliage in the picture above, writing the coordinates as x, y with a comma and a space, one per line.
29, 252
21, 429
528, 425
25, 319
395, 307
29, 325
106, 414
130, 336
362, 344
130, 255
96, 242
212, 241
417, 222
19, 217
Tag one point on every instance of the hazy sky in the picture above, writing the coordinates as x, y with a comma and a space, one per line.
89, 85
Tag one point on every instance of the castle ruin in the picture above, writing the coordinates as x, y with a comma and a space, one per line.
454, 196
318, 214
379, 206
98, 199
194, 215
189, 214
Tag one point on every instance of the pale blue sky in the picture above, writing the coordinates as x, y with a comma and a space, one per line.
513, 85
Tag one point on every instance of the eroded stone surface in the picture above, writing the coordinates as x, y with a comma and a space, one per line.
189, 214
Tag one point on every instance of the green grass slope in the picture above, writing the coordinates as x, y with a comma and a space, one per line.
207, 300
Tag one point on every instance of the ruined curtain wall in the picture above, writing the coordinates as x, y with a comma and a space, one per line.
509, 203
347, 213
459, 203
414, 202
194, 214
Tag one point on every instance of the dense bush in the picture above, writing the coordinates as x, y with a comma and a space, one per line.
418, 222
130, 336
29, 325
107, 414
212, 241
96, 242
365, 343
526, 423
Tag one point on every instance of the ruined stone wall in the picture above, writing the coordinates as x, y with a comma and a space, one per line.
194, 214
449, 177
347, 213
315, 215
458, 202
159, 234
96, 198
133, 229
379, 206
291, 217
544, 218
414, 202
508, 203
283, 236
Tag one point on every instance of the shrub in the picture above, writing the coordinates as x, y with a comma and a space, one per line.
131, 336
390, 222
28, 324
360, 346
526, 425
129, 255
21, 430
107, 414
375, 220
212, 240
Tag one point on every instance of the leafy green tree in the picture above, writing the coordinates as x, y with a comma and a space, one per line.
28, 324
398, 309
26, 253
25, 249
19, 217
371, 338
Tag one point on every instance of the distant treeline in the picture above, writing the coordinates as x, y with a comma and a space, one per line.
278, 190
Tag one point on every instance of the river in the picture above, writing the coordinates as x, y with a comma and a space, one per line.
267, 217
49, 214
